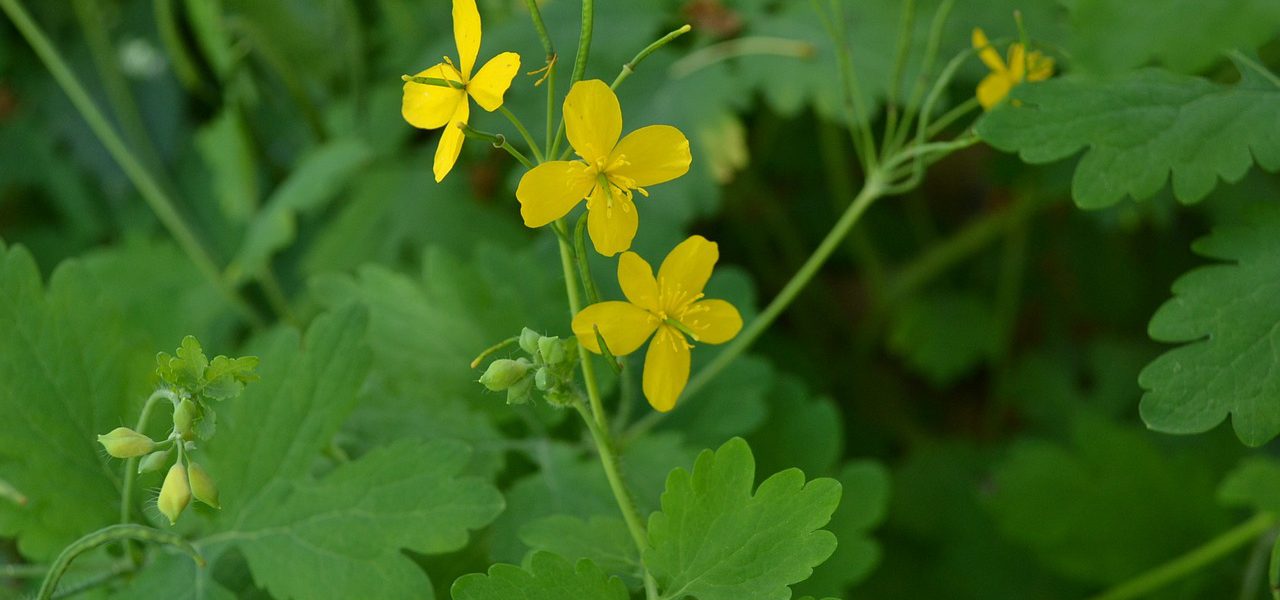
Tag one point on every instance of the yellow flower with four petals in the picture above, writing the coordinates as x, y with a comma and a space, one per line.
610, 170
432, 106
669, 308
1022, 65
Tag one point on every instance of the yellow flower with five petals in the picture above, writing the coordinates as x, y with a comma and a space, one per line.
428, 106
669, 308
610, 170
1021, 66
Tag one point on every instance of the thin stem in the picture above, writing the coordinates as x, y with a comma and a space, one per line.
524, 133
905, 31
631, 515
131, 469
487, 352
184, 65
547, 46
863, 142
580, 254
107, 535
630, 67
551, 107
536, 14
921, 85
1191, 562
951, 116
571, 286
584, 41
276, 297
142, 179
498, 140
23, 571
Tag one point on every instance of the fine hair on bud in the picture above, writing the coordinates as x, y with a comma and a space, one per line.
123, 442
175, 493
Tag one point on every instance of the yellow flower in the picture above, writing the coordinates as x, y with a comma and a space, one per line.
672, 306
431, 106
1022, 65
608, 172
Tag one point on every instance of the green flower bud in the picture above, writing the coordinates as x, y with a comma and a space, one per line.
559, 397
529, 340
184, 418
519, 393
153, 462
123, 442
551, 349
202, 486
543, 379
175, 493
504, 373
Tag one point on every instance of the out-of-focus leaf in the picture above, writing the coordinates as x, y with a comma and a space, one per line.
802, 432
549, 577
1255, 484
945, 336
863, 503
1227, 317
1138, 128
226, 148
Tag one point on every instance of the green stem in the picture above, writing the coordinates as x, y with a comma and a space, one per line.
630, 67
950, 116
863, 141
23, 571
107, 535
524, 133
584, 41
921, 85
142, 179
580, 254
905, 34
1193, 561
131, 469
184, 65
574, 293
547, 46
631, 515
498, 140
487, 352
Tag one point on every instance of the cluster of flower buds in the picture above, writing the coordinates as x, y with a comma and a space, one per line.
548, 369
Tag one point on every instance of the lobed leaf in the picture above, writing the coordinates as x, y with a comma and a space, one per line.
548, 577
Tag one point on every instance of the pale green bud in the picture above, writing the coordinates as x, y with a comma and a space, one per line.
153, 462
529, 340
543, 379
123, 442
175, 493
202, 486
504, 373
551, 349
184, 418
519, 393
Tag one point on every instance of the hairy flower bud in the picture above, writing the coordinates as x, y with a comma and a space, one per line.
153, 462
175, 493
123, 442
542, 379
184, 418
519, 393
504, 373
529, 340
202, 486
551, 349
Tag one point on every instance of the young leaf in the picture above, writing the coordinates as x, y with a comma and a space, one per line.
716, 540
549, 577
1255, 483
1138, 128
1228, 319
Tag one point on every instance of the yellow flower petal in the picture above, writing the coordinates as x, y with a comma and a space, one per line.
592, 119
685, 272
1017, 62
987, 53
430, 106
550, 190
993, 89
624, 326
1039, 67
466, 33
493, 79
711, 321
652, 155
636, 278
450, 143
666, 368
611, 221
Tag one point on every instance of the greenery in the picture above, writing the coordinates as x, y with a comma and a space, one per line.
660, 299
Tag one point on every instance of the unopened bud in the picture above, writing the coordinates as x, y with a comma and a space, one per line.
153, 462
175, 493
519, 393
551, 349
529, 340
184, 418
123, 442
202, 486
543, 379
504, 373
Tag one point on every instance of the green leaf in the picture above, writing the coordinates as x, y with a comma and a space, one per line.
803, 431
1255, 484
225, 146
1229, 322
548, 577
863, 504
1139, 128
945, 336
319, 176
225, 377
716, 540
603, 540
1114, 35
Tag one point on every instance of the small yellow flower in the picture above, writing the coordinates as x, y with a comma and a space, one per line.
610, 170
671, 305
432, 106
1022, 65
